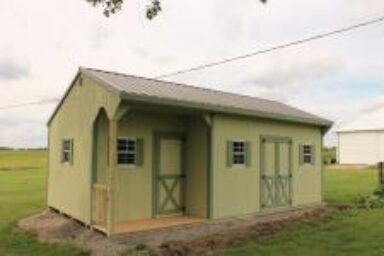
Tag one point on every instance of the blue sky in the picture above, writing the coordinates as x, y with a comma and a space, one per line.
338, 78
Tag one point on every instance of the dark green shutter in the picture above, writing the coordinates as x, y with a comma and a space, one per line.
301, 154
62, 151
229, 153
139, 151
248, 153
72, 153
313, 154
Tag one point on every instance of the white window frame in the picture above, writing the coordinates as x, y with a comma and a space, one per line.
243, 153
307, 154
127, 151
68, 151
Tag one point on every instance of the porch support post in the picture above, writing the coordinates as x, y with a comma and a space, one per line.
208, 119
112, 146
111, 174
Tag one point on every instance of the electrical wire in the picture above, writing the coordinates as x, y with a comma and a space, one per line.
274, 48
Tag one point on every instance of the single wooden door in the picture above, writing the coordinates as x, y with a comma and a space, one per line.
276, 175
169, 174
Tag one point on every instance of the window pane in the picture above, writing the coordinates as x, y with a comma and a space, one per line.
307, 149
126, 158
66, 145
121, 144
238, 146
239, 159
65, 156
307, 159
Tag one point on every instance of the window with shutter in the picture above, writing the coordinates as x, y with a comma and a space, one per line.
306, 154
67, 151
129, 151
238, 153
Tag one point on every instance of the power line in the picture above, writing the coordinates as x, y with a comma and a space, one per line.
236, 58
45, 101
274, 48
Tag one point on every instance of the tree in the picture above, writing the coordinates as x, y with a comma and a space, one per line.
112, 6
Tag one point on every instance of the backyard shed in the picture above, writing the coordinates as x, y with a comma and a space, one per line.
361, 141
128, 153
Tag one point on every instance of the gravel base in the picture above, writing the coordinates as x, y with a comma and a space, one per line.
184, 240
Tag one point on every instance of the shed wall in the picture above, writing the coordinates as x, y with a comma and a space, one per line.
236, 190
69, 185
134, 184
197, 164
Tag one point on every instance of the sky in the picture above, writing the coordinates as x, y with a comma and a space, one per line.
43, 43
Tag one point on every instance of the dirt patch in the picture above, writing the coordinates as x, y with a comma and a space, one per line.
235, 236
52, 227
186, 240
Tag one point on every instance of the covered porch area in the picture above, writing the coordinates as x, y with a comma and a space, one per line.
151, 169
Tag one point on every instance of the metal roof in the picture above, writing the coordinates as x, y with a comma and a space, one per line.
163, 92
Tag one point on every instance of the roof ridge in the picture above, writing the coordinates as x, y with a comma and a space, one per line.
184, 85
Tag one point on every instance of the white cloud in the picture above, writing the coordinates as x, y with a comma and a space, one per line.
52, 39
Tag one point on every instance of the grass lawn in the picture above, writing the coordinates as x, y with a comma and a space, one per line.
343, 186
353, 233
22, 192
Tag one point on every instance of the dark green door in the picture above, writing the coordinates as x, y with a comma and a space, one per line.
276, 173
169, 174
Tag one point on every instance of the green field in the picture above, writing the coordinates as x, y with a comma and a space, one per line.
359, 232
22, 192
16, 160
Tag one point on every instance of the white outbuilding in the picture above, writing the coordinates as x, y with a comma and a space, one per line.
362, 140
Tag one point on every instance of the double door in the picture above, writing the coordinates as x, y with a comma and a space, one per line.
276, 172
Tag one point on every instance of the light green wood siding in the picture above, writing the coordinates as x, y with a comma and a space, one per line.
134, 184
69, 185
236, 190
197, 157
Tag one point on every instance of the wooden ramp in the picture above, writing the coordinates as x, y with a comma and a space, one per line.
161, 222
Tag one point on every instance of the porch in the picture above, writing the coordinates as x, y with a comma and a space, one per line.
150, 169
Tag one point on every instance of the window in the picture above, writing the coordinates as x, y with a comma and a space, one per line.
238, 153
129, 151
67, 151
307, 154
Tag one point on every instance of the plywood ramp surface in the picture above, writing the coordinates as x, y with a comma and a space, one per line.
162, 222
